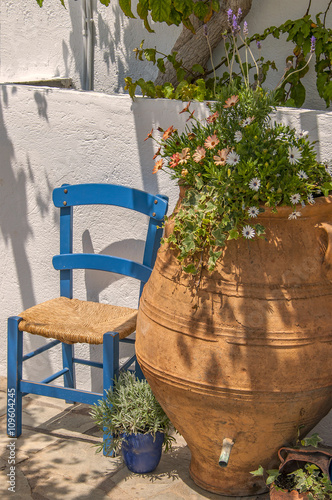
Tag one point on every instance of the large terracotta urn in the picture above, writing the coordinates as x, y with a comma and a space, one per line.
245, 357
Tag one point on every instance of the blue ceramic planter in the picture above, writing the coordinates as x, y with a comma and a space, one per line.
141, 453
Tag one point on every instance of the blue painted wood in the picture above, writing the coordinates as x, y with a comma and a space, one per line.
66, 246
67, 363
111, 357
111, 194
14, 375
54, 391
45, 347
102, 263
56, 375
87, 362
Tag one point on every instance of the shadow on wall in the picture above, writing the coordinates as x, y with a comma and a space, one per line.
15, 228
97, 281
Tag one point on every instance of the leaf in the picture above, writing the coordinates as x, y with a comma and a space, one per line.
184, 6
180, 74
143, 11
258, 472
190, 269
197, 68
201, 10
150, 55
233, 234
161, 65
125, 6
313, 440
160, 10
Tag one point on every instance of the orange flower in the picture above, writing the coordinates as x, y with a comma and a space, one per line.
212, 118
156, 154
231, 101
199, 154
158, 166
174, 161
190, 116
186, 108
184, 172
168, 132
184, 155
149, 135
191, 136
220, 158
211, 142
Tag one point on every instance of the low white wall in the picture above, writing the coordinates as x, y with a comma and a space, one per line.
51, 136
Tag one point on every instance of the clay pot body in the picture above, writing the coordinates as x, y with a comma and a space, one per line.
248, 355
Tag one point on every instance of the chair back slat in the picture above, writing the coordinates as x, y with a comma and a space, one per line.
111, 194
98, 262
68, 196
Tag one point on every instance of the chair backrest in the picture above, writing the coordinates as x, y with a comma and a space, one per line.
68, 196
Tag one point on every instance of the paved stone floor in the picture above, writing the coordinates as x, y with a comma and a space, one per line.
55, 459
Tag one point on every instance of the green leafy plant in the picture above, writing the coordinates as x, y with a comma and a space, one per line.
130, 408
199, 83
308, 478
234, 164
167, 11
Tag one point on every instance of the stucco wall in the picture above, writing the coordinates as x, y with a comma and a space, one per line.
48, 42
50, 136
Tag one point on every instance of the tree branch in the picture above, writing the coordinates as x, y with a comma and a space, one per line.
193, 48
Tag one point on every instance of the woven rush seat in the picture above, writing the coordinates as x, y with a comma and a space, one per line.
73, 320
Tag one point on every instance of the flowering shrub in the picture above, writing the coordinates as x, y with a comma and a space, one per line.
234, 164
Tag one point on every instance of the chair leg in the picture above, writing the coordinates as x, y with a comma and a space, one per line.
138, 371
110, 370
67, 361
14, 376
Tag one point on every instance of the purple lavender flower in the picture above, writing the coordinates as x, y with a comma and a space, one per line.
235, 26
229, 16
205, 30
245, 29
313, 44
239, 14
259, 45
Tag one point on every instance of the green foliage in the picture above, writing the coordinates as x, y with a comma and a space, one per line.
290, 92
233, 164
130, 408
307, 479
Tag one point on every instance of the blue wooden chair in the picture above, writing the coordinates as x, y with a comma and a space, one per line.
67, 320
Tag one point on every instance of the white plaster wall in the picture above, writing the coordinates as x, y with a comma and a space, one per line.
48, 42
50, 136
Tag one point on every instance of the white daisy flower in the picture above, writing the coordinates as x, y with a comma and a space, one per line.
247, 121
302, 175
248, 232
253, 211
294, 155
255, 184
311, 199
302, 133
294, 215
232, 158
238, 136
295, 198
272, 189
278, 175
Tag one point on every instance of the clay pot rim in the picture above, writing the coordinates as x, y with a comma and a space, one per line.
284, 211
321, 203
